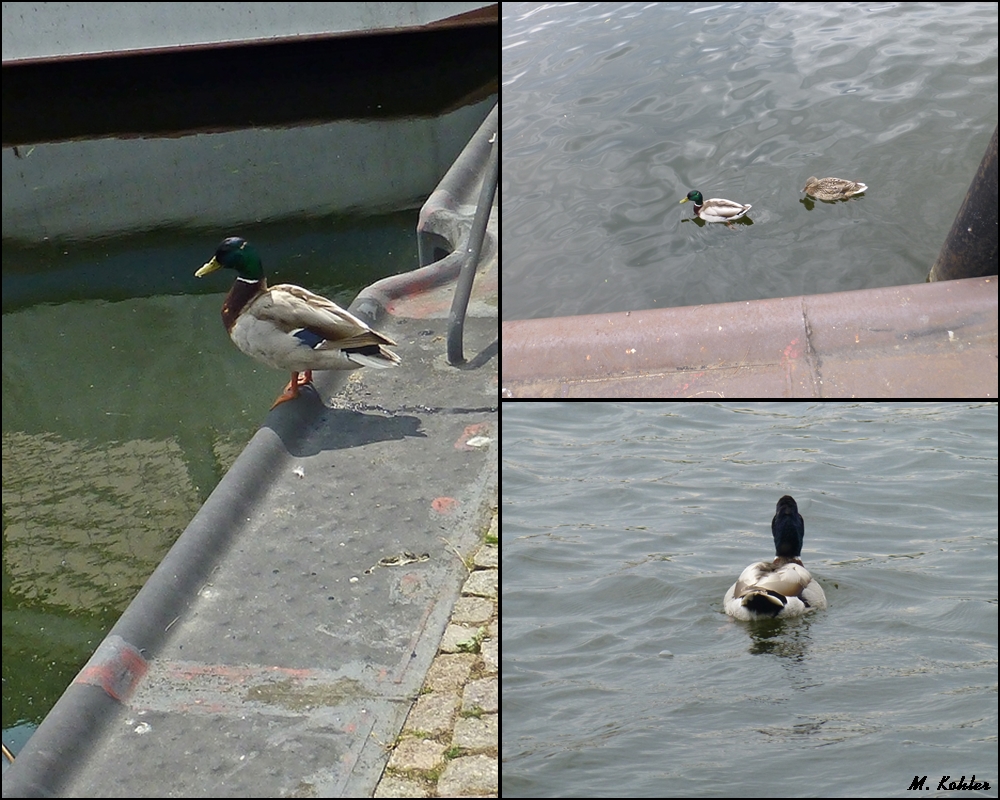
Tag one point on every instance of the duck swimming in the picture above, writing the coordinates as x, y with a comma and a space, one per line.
783, 587
833, 188
717, 209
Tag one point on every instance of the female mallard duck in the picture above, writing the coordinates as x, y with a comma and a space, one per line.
784, 587
832, 188
716, 209
289, 328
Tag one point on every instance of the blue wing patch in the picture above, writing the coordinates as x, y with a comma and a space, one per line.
308, 338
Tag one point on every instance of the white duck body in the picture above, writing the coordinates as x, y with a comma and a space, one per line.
290, 328
781, 588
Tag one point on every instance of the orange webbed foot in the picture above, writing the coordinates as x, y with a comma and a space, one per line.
292, 389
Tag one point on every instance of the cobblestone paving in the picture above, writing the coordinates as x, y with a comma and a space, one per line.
449, 744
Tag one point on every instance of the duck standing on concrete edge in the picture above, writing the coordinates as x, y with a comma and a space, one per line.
290, 328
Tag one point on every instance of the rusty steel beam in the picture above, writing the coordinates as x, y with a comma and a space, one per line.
926, 340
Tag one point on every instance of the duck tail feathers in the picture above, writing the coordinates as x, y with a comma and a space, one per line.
764, 602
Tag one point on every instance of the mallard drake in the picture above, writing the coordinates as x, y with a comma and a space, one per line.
832, 188
716, 209
783, 587
288, 327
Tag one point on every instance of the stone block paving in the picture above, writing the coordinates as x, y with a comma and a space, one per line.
449, 745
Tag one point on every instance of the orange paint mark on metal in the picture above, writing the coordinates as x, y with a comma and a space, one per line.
116, 667
444, 505
471, 432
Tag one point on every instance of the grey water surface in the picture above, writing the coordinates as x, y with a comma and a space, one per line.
612, 112
624, 524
